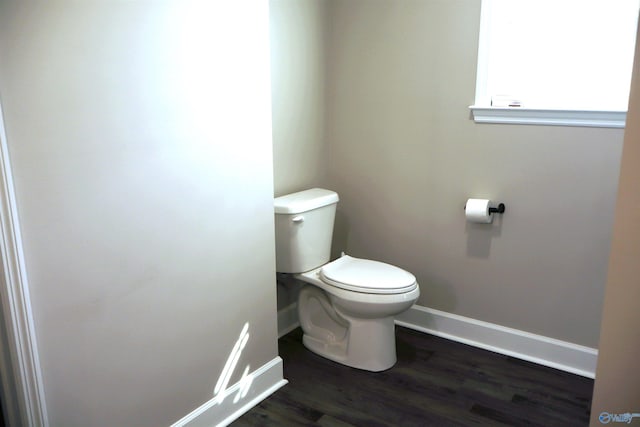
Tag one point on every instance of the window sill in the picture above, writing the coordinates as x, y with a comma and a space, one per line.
529, 116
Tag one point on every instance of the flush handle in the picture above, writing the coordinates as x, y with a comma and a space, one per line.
297, 219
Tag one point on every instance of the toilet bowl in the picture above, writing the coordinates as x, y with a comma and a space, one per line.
347, 308
347, 314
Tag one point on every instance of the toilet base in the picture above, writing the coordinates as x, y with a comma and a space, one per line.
370, 345
356, 341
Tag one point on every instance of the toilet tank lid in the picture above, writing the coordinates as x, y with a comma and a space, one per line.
304, 201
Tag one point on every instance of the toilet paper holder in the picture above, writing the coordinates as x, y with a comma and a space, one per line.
499, 209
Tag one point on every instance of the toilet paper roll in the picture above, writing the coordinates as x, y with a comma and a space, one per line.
477, 210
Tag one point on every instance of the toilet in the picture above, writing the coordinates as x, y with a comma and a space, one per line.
347, 307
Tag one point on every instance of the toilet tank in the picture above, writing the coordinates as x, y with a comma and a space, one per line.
304, 229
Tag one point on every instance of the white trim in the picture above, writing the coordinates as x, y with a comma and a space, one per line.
544, 111
288, 319
482, 98
534, 348
22, 382
531, 116
266, 380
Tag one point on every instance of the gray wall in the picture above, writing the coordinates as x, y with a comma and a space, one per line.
139, 135
298, 29
404, 156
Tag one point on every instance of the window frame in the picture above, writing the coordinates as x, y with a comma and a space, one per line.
483, 112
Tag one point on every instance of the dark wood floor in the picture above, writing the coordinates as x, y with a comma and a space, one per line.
436, 382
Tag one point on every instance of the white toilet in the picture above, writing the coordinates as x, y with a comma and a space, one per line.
347, 310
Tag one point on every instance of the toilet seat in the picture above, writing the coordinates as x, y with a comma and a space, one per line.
367, 276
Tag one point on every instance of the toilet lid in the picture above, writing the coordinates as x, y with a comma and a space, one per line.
367, 276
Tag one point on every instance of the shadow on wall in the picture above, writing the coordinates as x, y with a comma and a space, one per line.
288, 288
1, 417
441, 287
480, 236
341, 230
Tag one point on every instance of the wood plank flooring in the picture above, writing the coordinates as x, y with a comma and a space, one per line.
436, 382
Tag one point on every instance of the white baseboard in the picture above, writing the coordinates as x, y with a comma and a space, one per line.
534, 348
288, 319
266, 380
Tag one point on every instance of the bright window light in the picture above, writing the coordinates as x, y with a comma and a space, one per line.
556, 54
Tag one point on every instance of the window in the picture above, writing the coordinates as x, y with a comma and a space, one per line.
557, 62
